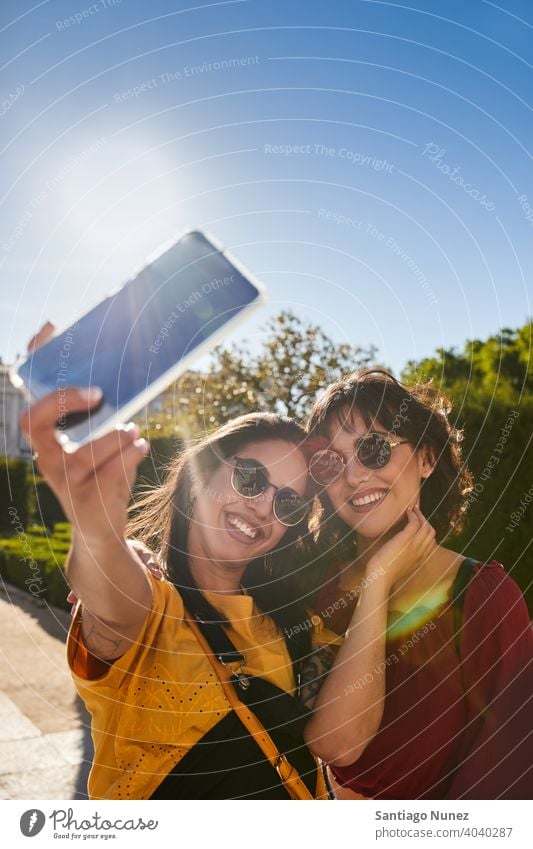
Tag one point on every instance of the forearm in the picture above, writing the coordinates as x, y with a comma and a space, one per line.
314, 672
110, 581
349, 706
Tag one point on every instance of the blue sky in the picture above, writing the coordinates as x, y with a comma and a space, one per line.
369, 161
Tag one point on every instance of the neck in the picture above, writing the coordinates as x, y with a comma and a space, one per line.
367, 548
216, 578
224, 578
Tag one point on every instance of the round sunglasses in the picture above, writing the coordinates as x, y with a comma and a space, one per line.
373, 451
250, 479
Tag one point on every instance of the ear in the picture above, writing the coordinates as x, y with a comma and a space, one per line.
426, 461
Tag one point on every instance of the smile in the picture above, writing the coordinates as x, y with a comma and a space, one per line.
369, 501
242, 526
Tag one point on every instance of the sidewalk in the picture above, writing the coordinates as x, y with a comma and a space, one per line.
44, 729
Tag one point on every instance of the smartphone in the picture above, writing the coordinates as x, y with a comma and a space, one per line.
140, 338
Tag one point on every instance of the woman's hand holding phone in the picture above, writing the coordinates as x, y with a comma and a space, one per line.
94, 483
93, 486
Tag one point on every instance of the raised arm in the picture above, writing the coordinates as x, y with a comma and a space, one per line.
349, 707
93, 485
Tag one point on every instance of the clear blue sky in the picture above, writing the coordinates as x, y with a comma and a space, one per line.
369, 161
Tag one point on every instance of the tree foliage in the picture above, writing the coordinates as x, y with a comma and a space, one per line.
294, 363
491, 385
500, 367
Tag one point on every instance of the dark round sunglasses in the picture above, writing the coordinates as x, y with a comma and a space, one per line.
373, 450
250, 479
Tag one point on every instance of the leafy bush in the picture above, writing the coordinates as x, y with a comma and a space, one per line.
34, 562
46, 507
15, 494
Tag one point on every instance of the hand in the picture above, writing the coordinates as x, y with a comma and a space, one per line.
409, 549
94, 483
43, 335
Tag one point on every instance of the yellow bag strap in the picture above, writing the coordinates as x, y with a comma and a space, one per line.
289, 776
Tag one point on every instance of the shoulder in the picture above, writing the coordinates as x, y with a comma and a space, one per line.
495, 613
148, 558
492, 584
321, 635
496, 643
165, 611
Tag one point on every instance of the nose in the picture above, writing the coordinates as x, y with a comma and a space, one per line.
263, 505
355, 473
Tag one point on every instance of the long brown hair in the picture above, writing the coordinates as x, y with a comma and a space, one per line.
161, 518
418, 413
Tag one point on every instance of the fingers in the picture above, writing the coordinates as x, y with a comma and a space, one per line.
155, 570
413, 518
425, 525
107, 490
44, 414
425, 536
116, 453
43, 335
117, 472
40, 421
91, 457
412, 527
418, 534
417, 522
123, 464
72, 599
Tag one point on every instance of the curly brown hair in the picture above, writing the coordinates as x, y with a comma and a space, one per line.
418, 413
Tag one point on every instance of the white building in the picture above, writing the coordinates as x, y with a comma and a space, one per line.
12, 400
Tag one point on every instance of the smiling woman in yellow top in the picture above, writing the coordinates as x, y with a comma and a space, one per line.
226, 524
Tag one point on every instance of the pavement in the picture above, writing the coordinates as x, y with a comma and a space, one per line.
45, 742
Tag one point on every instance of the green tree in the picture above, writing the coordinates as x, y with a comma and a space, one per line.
295, 362
499, 367
491, 386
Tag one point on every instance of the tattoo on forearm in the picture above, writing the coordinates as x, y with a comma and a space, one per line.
313, 674
102, 645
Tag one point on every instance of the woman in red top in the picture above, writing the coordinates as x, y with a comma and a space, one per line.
451, 669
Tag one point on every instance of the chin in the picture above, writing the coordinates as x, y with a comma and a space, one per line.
231, 561
237, 555
374, 526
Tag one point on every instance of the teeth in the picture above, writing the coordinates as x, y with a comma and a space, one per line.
368, 499
241, 526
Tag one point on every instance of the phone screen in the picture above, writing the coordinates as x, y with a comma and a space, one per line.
140, 338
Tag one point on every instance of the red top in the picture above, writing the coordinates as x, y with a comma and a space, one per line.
453, 727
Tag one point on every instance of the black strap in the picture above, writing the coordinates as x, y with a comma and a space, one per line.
461, 583
248, 687
221, 645
282, 715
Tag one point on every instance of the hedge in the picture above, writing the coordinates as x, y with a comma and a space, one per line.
34, 561
15, 494
46, 507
